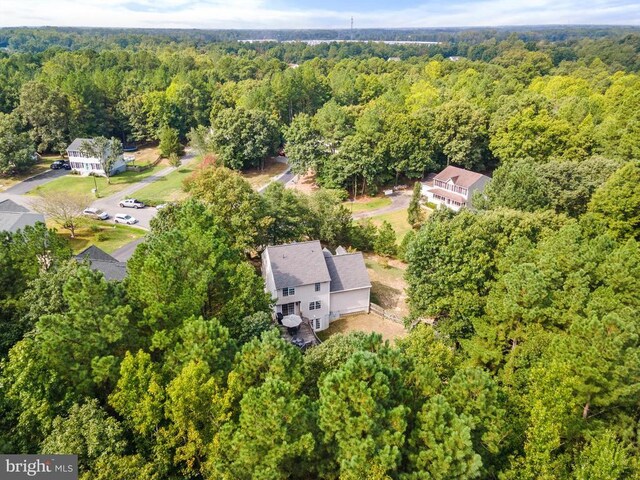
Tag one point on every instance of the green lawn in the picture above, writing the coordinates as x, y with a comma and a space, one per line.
108, 237
398, 221
367, 205
78, 184
169, 188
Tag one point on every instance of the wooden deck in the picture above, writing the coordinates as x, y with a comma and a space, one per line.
303, 338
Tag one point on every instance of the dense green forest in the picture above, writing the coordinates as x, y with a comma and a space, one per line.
531, 369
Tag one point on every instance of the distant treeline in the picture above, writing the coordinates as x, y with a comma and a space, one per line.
454, 41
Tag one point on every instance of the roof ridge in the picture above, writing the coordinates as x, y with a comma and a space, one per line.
293, 243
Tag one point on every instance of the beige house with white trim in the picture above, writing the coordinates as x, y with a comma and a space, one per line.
454, 187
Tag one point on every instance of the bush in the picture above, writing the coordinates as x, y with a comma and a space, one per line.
404, 245
95, 228
174, 160
385, 243
102, 237
169, 142
363, 235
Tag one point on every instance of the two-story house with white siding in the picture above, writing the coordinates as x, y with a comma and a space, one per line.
454, 187
305, 279
86, 164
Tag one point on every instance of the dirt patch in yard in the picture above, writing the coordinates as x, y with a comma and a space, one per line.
144, 156
305, 183
365, 322
258, 178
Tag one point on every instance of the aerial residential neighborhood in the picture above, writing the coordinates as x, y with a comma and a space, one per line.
319, 240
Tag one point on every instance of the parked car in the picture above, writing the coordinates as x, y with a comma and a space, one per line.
161, 206
131, 203
125, 218
58, 164
96, 213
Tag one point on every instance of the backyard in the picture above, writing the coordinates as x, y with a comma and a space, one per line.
107, 236
168, 188
397, 219
259, 178
365, 322
144, 156
387, 283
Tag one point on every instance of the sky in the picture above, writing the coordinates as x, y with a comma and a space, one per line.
279, 14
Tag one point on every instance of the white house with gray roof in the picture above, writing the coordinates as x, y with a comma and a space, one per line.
305, 279
86, 164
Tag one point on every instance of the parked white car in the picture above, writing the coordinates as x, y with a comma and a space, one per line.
96, 213
131, 203
125, 218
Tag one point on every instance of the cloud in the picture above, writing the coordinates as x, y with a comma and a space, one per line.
289, 14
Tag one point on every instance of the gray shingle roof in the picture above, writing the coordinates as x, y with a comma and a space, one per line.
296, 264
348, 271
95, 253
101, 261
11, 206
77, 143
14, 217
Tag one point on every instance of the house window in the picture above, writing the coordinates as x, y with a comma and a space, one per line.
288, 292
317, 287
314, 305
288, 309
317, 324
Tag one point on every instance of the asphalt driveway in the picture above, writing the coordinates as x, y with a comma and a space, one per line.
29, 184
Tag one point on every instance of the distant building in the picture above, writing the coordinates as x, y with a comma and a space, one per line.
453, 187
14, 217
101, 261
455, 58
393, 59
303, 279
86, 164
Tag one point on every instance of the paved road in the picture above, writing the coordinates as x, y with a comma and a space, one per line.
283, 178
111, 203
124, 253
286, 177
30, 183
399, 201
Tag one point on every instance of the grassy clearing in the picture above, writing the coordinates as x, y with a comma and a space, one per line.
78, 184
258, 178
42, 166
364, 322
168, 188
108, 237
367, 204
398, 221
